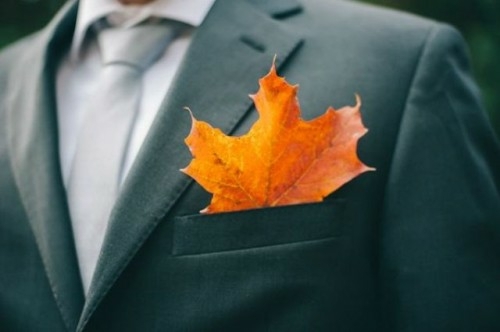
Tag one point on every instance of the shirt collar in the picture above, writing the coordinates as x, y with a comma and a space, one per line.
192, 12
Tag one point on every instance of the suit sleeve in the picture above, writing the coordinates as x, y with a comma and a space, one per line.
440, 231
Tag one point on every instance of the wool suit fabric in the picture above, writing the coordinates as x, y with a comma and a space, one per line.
413, 246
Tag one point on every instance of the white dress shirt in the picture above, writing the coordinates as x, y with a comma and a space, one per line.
79, 72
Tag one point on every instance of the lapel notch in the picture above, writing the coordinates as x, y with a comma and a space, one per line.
232, 48
278, 8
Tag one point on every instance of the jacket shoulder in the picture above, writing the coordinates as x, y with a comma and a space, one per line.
372, 24
382, 33
13, 52
11, 57
366, 15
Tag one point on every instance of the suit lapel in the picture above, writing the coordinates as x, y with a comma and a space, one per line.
233, 47
35, 161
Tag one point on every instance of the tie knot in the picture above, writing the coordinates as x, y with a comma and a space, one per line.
139, 46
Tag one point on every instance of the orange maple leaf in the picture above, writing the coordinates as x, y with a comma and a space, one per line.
283, 159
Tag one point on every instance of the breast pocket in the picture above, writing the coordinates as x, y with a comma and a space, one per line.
198, 234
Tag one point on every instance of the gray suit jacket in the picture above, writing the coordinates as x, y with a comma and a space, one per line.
413, 246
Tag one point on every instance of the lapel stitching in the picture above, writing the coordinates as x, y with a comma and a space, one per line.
220, 49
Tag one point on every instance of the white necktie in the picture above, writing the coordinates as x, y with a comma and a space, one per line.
97, 167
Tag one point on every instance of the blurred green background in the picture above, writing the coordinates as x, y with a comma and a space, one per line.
478, 20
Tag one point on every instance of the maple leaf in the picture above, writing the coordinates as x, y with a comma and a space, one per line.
283, 159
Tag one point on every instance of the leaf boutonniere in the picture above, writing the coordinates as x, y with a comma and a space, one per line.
283, 159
